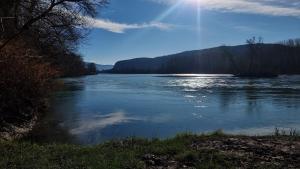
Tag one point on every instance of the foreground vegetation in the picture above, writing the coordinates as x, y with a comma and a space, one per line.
184, 151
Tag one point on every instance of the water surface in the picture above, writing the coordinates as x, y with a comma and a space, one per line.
94, 109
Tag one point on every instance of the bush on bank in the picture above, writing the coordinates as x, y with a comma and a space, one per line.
25, 83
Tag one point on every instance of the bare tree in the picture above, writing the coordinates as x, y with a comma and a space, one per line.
291, 42
254, 45
51, 21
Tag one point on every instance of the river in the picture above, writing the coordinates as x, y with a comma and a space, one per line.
93, 109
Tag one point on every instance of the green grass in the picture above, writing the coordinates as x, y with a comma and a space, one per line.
125, 154
111, 155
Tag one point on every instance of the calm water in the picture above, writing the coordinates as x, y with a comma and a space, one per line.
97, 108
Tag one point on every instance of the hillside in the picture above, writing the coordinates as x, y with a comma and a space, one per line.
273, 58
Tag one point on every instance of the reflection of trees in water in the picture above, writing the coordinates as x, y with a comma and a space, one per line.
233, 93
50, 132
62, 109
227, 96
255, 96
290, 98
72, 85
254, 93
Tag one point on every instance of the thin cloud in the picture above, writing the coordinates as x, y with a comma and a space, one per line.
116, 27
264, 7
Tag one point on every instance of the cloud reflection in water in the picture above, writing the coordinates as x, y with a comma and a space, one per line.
100, 122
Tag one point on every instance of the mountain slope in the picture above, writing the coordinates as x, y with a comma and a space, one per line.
224, 60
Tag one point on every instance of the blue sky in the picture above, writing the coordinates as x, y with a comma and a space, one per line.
148, 28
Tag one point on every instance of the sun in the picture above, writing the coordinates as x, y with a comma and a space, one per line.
193, 4
193, 1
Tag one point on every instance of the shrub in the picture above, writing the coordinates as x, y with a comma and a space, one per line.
25, 83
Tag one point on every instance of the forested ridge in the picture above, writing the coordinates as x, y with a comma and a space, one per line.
255, 57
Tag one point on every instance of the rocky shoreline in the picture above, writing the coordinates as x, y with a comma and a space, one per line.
14, 132
242, 152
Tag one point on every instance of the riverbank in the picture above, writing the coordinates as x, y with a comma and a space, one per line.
184, 151
10, 132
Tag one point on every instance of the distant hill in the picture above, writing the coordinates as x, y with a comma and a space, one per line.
104, 67
100, 67
274, 58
